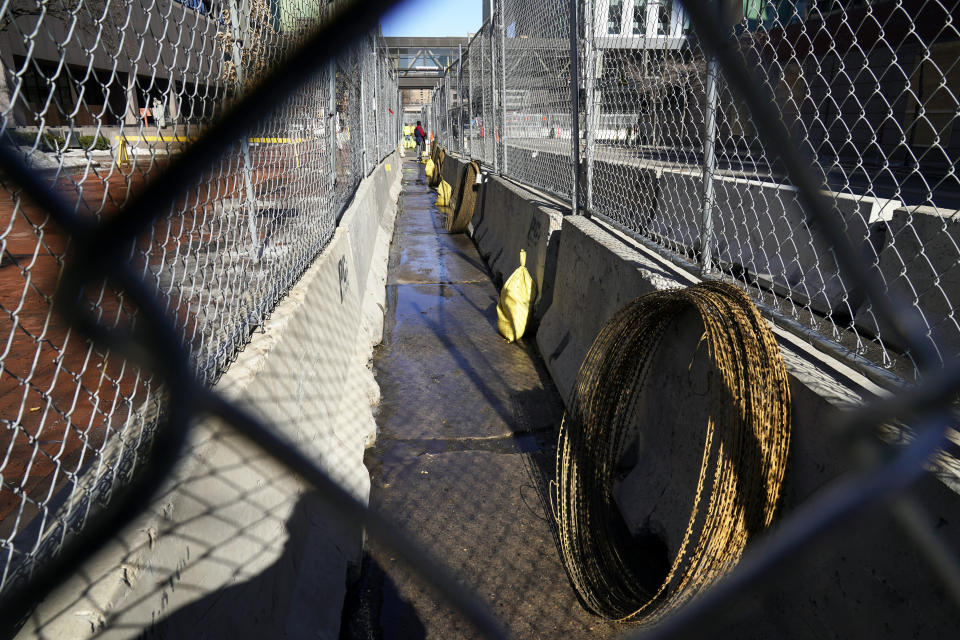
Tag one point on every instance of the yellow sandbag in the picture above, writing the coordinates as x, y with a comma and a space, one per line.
434, 181
443, 194
428, 168
516, 300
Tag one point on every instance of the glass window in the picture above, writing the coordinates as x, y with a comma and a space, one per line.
615, 17
640, 18
663, 17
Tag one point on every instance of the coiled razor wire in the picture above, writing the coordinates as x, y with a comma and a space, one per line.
464, 199
748, 399
438, 156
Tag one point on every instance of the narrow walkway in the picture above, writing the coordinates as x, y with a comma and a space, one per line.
464, 454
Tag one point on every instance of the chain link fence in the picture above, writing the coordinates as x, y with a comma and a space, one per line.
100, 97
104, 100
868, 90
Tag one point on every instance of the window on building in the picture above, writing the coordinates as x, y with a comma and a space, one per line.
40, 80
640, 18
615, 17
663, 16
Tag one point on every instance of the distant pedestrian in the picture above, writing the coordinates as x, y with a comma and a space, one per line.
420, 136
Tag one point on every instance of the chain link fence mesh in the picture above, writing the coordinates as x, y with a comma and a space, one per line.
99, 97
869, 91
536, 94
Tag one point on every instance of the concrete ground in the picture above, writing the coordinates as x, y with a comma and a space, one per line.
465, 449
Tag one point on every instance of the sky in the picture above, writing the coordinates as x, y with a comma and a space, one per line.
433, 18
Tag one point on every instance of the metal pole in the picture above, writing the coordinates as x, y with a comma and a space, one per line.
469, 138
591, 117
363, 110
446, 105
502, 143
709, 162
460, 97
575, 108
239, 25
332, 128
375, 104
491, 123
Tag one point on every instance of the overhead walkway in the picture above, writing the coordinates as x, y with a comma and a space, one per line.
465, 446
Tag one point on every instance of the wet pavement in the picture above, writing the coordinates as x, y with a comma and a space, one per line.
465, 449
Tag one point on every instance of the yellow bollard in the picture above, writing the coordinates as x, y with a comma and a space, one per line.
123, 158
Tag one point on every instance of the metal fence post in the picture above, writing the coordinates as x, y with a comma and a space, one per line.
375, 104
460, 98
470, 138
709, 161
501, 142
363, 111
492, 125
239, 26
592, 108
446, 106
332, 128
574, 107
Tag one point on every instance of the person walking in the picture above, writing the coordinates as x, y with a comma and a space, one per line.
420, 136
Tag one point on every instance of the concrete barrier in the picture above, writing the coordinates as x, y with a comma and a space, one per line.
678, 213
507, 219
237, 545
868, 564
547, 167
759, 227
918, 263
596, 276
627, 193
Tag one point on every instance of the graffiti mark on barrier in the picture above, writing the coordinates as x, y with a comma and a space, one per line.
535, 231
344, 277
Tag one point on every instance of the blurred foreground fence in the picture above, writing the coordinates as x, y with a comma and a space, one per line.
181, 214
671, 155
100, 97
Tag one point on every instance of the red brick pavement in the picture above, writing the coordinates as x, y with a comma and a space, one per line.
59, 398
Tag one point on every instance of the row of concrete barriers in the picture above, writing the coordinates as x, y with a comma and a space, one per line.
232, 527
586, 271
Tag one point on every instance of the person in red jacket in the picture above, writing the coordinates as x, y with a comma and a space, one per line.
420, 136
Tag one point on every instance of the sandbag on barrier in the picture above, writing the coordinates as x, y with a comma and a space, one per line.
464, 199
429, 168
443, 194
516, 300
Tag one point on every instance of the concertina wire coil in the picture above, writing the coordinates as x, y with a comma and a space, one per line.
734, 474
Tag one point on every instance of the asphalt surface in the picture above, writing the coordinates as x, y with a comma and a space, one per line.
465, 450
